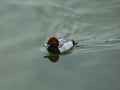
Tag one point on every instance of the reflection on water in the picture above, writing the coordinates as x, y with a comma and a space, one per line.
53, 58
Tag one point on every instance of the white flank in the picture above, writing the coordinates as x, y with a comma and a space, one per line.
66, 46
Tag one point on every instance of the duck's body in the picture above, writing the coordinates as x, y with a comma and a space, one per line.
59, 46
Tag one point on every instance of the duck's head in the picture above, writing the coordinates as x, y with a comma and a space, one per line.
53, 42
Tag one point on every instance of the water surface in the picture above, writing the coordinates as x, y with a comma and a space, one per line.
25, 25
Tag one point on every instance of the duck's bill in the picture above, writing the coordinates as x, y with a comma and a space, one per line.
45, 45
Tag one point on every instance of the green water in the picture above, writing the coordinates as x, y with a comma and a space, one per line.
25, 25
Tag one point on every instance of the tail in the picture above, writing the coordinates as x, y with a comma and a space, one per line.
74, 42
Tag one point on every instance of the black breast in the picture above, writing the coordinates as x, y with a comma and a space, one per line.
53, 50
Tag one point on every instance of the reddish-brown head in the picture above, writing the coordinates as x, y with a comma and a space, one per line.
53, 41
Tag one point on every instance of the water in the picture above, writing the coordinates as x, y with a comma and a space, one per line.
25, 25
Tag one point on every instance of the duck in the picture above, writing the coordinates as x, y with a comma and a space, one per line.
58, 46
